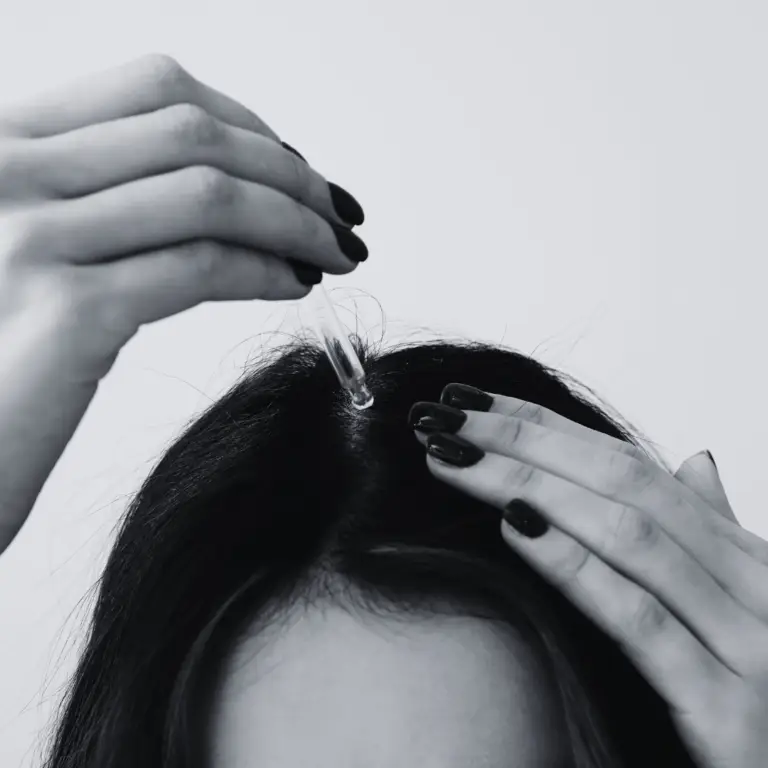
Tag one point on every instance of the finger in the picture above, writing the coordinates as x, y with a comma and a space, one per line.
624, 538
144, 85
670, 657
699, 473
751, 544
629, 481
94, 158
161, 283
196, 202
544, 417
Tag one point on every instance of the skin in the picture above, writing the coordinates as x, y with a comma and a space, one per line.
127, 197
333, 689
656, 561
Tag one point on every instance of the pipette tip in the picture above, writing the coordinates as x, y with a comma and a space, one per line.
362, 398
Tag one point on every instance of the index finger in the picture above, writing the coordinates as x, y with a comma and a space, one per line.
144, 85
504, 405
540, 454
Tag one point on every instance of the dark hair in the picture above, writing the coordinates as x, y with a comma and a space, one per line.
282, 491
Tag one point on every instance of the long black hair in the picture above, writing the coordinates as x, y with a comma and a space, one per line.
281, 491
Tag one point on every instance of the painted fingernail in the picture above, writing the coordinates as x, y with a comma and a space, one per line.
453, 450
346, 206
294, 151
429, 418
465, 397
306, 274
521, 516
712, 458
351, 245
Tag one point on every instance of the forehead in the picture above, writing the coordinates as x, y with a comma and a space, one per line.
329, 689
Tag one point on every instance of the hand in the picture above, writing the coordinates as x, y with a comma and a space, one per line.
141, 192
124, 199
699, 473
677, 583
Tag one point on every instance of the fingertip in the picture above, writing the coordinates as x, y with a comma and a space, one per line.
307, 274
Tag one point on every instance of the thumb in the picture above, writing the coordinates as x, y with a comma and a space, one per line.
699, 473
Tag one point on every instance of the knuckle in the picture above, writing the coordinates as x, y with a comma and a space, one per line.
648, 618
572, 563
507, 431
626, 471
307, 222
206, 259
211, 188
205, 255
520, 476
166, 74
634, 532
191, 125
639, 473
532, 413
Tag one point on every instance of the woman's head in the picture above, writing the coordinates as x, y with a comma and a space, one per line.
291, 586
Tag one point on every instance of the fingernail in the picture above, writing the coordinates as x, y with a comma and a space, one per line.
453, 450
429, 418
346, 206
521, 516
306, 274
465, 397
294, 151
351, 245
712, 458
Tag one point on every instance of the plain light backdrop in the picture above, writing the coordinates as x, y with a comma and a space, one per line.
583, 181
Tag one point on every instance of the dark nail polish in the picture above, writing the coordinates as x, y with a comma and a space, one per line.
429, 418
465, 397
524, 519
453, 450
712, 458
346, 206
351, 245
306, 274
294, 151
